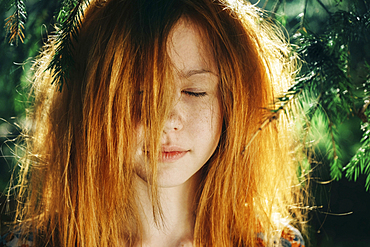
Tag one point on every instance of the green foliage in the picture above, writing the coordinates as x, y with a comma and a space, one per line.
15, 74
15, 23
360, 162
326, 77
69, 19
68, 23
5, 5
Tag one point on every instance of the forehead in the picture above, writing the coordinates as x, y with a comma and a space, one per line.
188, 47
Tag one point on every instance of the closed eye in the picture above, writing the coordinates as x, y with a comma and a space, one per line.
195, 94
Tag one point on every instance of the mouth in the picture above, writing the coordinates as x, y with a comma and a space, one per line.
171, 156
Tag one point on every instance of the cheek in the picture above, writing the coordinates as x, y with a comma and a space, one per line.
217, 117
216, 122
206, 121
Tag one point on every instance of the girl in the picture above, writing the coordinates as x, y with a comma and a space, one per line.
156, 140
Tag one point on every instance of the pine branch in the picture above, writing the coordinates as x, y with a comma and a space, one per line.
327, 57
70, 17
14, 24
332, 68
360, 162
283, 102
361, 113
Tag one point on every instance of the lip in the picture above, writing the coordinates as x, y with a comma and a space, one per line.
171, 154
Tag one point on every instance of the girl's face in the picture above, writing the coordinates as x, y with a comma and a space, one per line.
193, 129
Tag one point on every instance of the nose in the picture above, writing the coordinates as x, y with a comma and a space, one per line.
174, 121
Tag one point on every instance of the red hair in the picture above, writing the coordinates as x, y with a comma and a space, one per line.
78, 173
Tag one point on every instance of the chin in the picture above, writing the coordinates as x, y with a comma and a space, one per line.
167, 180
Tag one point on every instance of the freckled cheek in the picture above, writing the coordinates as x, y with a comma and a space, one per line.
205, 118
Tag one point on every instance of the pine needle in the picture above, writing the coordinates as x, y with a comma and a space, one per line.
70, 17
14, 24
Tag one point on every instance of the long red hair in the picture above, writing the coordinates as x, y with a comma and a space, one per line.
78, 171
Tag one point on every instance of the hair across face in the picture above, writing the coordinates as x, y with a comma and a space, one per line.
193, 128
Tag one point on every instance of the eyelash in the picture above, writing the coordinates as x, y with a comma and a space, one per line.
195, 94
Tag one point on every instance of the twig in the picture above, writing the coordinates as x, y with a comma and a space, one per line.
275, 8
273, 117
332, 140
335, 214
309, 120
275, 114
324, 7
365, 5
304, 13
361, 113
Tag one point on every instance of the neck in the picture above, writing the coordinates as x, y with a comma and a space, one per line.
175, 227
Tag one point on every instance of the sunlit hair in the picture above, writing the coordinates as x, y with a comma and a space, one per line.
77, 177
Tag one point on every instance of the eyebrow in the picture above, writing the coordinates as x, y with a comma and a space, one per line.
192, 72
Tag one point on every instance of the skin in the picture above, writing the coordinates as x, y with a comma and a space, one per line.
190, 137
